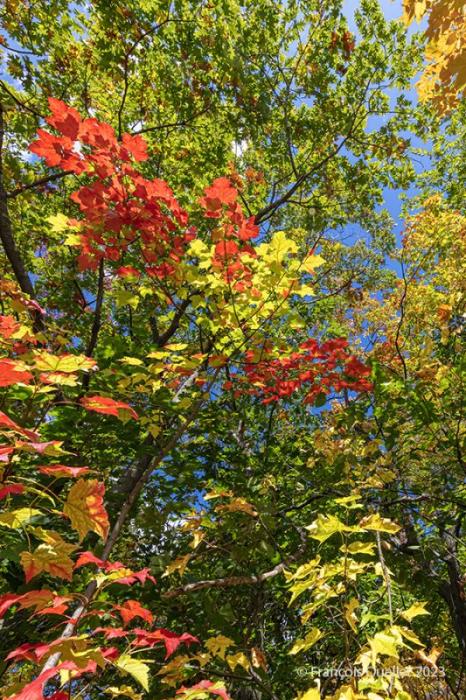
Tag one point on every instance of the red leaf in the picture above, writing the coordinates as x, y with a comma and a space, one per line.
112, 632
131, 609
33, 690
107, 406
171, 640
6, 601
225, 249
89, 558
136, 146
29, 652
141, 576
64, 119
8, 326
128, 271
5, 453
11, 488
63, 470
6, 422
59, 606
220, 192
10, 374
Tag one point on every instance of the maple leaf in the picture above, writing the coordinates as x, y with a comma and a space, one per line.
415, 610
220, 192
196, 692
112, 632
28, 652
38, 599
65, 363
136, 146
85, 508
58, 608
131, 609
64, 119
33, 690
52, 447
8, 326
51, 557
6, 422
13, 373
376, 522
89, 558
142, 576
107, 406
16, 519
6, 601
59, 470
11, 489
218, 645
136, 668
171, 640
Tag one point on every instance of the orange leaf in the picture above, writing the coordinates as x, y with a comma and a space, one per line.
13, 373
51, 557
85, 508
59, 470
107, 406
131, 609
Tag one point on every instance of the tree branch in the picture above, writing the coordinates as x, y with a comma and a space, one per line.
37, 183
229, 581
6, 234
149, 464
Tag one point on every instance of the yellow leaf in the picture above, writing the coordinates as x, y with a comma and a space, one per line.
73, 239
410, 636
45, 361
123, 690
131, 361
239, 659
311, 694
18, 518
198, 248
136, 668
305, 290
85, 508
415, 610
313, 261
327, 525
179, 564
237, 505
359, 548
59, 222
218, 645
385, 644
198, 536
309, 640
376, 522
350, 616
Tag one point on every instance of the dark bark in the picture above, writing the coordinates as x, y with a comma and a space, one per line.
6, 232
452, 591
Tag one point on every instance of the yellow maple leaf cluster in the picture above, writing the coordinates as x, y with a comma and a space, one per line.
444, 78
